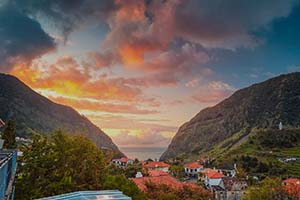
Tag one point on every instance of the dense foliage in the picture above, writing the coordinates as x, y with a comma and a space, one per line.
268, 189
123, 184
285, 138
59, 164
9, 136
265, 153
164, 192
177, 171
252, 165
63, 163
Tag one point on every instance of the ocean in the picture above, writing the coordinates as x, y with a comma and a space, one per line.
143, 153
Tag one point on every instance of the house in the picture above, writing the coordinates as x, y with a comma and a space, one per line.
203, 173
235, 188
219, 193
193, 169
213, 178
292, 186
229, 188
122, 162
156, 165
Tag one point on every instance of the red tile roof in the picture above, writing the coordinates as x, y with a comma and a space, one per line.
157, 173
207, 170
193, 165
294, 181
293, 190
124, 159
156, 164
214, 174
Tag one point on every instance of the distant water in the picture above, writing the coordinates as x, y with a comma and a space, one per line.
143, 153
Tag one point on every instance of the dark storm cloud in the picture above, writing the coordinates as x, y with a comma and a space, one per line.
21, 38
66, 15
222, 22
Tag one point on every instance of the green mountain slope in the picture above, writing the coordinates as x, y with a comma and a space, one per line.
32, 112
231, 122
267, 152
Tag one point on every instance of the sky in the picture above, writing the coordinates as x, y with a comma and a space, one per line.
139, 69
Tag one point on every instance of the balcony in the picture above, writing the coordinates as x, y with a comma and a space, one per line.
8, 165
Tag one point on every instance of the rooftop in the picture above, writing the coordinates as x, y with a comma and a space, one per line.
295, 181
124, 159
90, 195
157, 173
207, 170
193, 165
156, 164
214, 174
293, 190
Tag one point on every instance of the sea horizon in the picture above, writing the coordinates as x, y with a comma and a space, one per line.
143, 153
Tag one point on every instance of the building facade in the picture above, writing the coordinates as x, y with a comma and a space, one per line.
193, 169
8, 166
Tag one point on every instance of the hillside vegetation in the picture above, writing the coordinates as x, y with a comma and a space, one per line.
264, 153
232, 122
33, 113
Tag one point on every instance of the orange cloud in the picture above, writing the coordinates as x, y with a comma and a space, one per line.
131, 55
66, 78
97, 106
123, 122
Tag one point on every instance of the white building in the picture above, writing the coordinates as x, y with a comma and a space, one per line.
122, 162
214, 178
157, 166
193, 169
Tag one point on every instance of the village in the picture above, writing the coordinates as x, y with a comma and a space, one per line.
229, 183
222, 184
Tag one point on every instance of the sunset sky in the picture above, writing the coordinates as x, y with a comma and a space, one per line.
139, 69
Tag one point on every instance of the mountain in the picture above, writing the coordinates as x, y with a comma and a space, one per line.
32, 112
230, 123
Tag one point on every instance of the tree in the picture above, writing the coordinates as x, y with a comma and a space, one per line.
121, 183
177, 171
9, 136
165, 192
268, 189
59, 164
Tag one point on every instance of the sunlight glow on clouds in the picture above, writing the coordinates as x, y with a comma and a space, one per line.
152, 69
